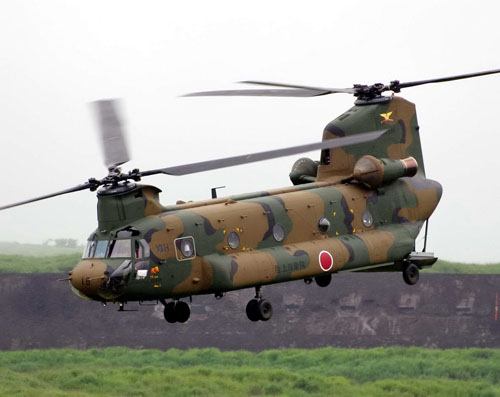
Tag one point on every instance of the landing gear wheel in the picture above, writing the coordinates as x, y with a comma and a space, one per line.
169, 312
182, 312
265, 310
253, 310
411, 274
323, 280
258, 308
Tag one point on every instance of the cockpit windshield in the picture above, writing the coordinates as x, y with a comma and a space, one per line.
100, 250
114, 249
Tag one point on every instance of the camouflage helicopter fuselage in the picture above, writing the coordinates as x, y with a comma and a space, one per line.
337, 218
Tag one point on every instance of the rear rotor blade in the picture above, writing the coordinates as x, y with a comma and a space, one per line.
70, 190
449, 78
111, 131
271, 154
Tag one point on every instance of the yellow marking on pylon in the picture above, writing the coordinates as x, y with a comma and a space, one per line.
386, 117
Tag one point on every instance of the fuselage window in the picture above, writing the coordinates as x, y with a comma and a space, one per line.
233, 240
100, 249
367, 218
119, 249
323, 225
278, 232
185, 248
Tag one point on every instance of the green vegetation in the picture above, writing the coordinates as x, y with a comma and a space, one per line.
463, 268
391, 371
37, 258
12, 248
31, 264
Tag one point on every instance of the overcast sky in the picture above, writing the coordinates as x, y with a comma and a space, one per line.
56, 56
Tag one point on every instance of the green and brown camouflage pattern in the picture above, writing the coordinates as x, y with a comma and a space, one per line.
401, 140
398, 210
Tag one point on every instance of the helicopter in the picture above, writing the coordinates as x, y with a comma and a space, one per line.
359, 208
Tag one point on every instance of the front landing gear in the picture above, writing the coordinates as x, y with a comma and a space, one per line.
411, 274
258, 308
176, 311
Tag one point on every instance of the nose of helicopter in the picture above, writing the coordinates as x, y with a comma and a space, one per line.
88, 278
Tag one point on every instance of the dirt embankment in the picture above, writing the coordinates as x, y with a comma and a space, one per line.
356, 310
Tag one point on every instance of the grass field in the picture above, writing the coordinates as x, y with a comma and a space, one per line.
33, 264
463, 268
208, 372
13, 248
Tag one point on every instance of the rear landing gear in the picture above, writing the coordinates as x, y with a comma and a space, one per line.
258, 308
411, 274
176, 312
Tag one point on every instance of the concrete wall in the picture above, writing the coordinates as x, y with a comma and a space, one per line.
356, 310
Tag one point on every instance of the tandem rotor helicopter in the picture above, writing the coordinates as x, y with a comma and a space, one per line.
359, 208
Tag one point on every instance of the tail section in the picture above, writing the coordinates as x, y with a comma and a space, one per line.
401, 140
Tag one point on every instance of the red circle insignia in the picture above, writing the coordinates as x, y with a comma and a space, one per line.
325, 260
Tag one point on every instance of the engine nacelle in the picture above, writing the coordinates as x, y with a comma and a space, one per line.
304, 170
374, 172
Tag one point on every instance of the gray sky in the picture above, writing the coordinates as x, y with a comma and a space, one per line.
58, 55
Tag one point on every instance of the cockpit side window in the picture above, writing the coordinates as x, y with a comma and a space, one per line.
88, 252
100, 249
119, 249
141, 248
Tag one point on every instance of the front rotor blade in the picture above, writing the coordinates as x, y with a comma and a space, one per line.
449, 78
271, 154
304, 87
111, 131
70, 190
268, 92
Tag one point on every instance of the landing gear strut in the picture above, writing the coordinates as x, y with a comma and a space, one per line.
258, 308
411, 274
176, 311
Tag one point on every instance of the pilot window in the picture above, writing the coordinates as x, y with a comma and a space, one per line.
100, 249
119, 249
